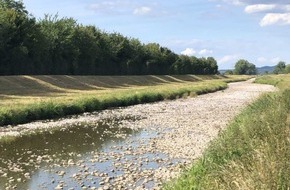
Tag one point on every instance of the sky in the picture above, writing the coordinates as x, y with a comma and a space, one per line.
228, 30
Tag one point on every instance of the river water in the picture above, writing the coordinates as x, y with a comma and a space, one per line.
42, 157
82, 155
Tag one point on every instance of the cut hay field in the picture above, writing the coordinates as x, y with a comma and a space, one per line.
28, 98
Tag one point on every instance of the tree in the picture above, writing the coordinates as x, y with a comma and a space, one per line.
19, 39
182, 65
86, 50
17, 6
251, 69
287, 69
229, 72
62, 46
243, 67
61, 52
136, 65
155, 62
211, 65
280, 68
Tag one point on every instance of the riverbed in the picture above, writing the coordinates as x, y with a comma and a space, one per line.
137, 147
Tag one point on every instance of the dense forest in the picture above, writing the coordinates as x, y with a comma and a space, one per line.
58, 46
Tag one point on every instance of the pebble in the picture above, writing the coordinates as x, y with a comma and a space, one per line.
61, 173
106, 187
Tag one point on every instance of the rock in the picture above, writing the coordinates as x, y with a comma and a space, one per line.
70, 162
102, 183
106, 187
61, 173
27, 175
59, 187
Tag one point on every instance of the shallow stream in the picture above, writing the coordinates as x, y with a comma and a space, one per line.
79, 156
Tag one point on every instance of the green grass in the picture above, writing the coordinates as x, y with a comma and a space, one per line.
29, 98
253, 152
280, 81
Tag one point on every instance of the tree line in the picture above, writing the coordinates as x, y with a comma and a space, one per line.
243, 67
282, 68
58, 46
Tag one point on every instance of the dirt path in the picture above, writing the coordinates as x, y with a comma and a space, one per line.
173, 135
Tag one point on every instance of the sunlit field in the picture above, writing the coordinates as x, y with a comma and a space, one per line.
26, 98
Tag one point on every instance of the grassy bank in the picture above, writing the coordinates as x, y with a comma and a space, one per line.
254, 151
29, 98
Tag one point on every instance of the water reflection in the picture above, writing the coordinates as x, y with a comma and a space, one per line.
32, 162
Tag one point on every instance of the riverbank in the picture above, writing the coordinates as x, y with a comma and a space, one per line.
164, 138
253, 152
28, 98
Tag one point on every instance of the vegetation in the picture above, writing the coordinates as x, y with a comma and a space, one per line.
229, 72
243, 67
254, 152
58, 46
287, 68
28, 98
281, 68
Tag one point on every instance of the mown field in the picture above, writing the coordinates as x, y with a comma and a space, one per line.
28, 98
254, 151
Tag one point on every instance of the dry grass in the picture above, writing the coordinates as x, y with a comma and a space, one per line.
45, 85
23, 90
63, 95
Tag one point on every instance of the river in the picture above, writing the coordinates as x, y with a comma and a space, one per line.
137, 147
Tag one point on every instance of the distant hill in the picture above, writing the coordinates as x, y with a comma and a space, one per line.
260, 70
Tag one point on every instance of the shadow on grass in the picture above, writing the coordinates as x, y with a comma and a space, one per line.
44, 85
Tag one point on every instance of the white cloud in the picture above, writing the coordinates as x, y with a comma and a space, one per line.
259, 8
286, 8
142, 10
276, 11
275, 60
262, 59
205, 52
228, 58
189, 52
275, 18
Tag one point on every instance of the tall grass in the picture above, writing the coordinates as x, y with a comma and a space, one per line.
254, 151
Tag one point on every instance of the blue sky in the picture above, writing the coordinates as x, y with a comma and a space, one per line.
228, 30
